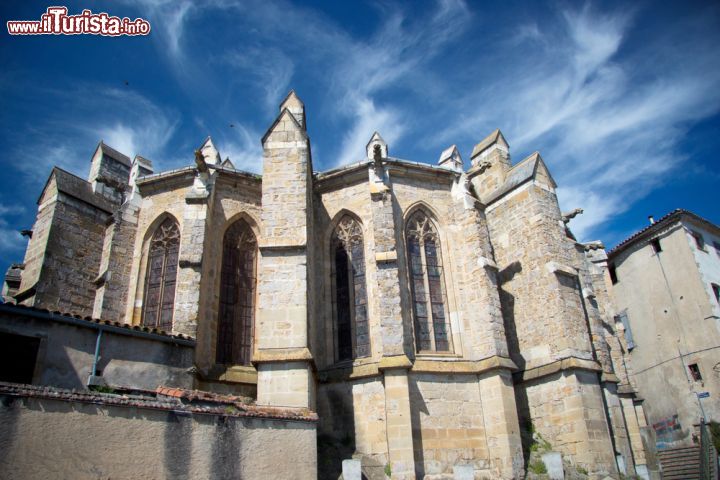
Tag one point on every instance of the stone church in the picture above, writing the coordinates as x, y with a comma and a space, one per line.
432, 315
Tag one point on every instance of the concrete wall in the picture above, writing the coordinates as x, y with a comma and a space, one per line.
134, 442
671, 318
66, 355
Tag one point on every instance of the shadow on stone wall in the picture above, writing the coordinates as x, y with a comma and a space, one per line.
417, 405
9, 413
178, 445
225, 448
336, 436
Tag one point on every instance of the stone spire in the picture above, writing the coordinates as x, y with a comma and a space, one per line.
490, 163
209, 152
295, 106
493, 148
450, 157
376, 140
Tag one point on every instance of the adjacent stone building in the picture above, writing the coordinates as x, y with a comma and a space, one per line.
432, 315
666, 283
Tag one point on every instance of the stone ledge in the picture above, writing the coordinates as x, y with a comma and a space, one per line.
463, 366
280, 355
572, 363
386, 257
395, 361
280, 248
560, 269
197, 197
609, 377
349, 372
232, 374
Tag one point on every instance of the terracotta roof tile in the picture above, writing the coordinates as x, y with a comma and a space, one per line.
226, 407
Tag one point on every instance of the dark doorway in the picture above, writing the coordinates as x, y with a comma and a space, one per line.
17, 357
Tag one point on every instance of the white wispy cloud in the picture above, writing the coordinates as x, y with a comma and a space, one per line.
607, 121
268, 69
243, 148
11, 241
123, 119
607, 109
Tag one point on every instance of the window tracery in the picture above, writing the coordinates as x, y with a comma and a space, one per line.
427, 284
161, 276
237, 295
351, 329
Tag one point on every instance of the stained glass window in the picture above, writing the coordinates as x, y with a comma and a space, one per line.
432, 330
161, 276
351, 329
237, 296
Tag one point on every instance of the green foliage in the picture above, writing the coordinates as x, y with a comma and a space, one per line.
388, 470
581, 470
537, 467
102, 389
715, 433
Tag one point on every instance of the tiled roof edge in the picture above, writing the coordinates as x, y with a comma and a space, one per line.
96, 323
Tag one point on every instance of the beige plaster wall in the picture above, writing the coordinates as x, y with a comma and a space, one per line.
131, 443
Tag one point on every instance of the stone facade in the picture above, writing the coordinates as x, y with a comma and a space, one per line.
484, 324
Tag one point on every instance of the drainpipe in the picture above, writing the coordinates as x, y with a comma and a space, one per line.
94, 379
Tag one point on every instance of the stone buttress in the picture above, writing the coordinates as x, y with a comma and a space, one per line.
558, 385
282, 355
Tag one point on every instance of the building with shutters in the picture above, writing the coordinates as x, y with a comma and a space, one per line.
666, 283
432, 315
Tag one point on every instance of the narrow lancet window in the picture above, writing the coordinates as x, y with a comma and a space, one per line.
237, 296
432, 330
352, 334
161, 276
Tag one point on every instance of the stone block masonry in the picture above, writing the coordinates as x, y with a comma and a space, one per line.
459, 315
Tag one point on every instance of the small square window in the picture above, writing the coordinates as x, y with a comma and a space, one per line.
716, 291
655, 243
699, 241
613, 274
695, 372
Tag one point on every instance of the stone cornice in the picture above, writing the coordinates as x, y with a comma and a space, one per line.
283, 355
571, 363
463, 366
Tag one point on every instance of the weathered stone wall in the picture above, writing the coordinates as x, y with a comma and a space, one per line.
332, 204
285, 376
567, 409
66, 353
109, 177
116, 265
167, 198
134, 442
76, 238
234, 197
547, 325
35, 252
448, 423
353, 421
537, 296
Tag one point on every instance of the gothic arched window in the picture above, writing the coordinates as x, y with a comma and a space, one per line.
237, 296
432, 330
352, 333
161, 276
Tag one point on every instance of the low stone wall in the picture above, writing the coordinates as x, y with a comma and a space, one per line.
51, 433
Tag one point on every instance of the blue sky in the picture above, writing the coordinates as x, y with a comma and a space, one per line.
622, 99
